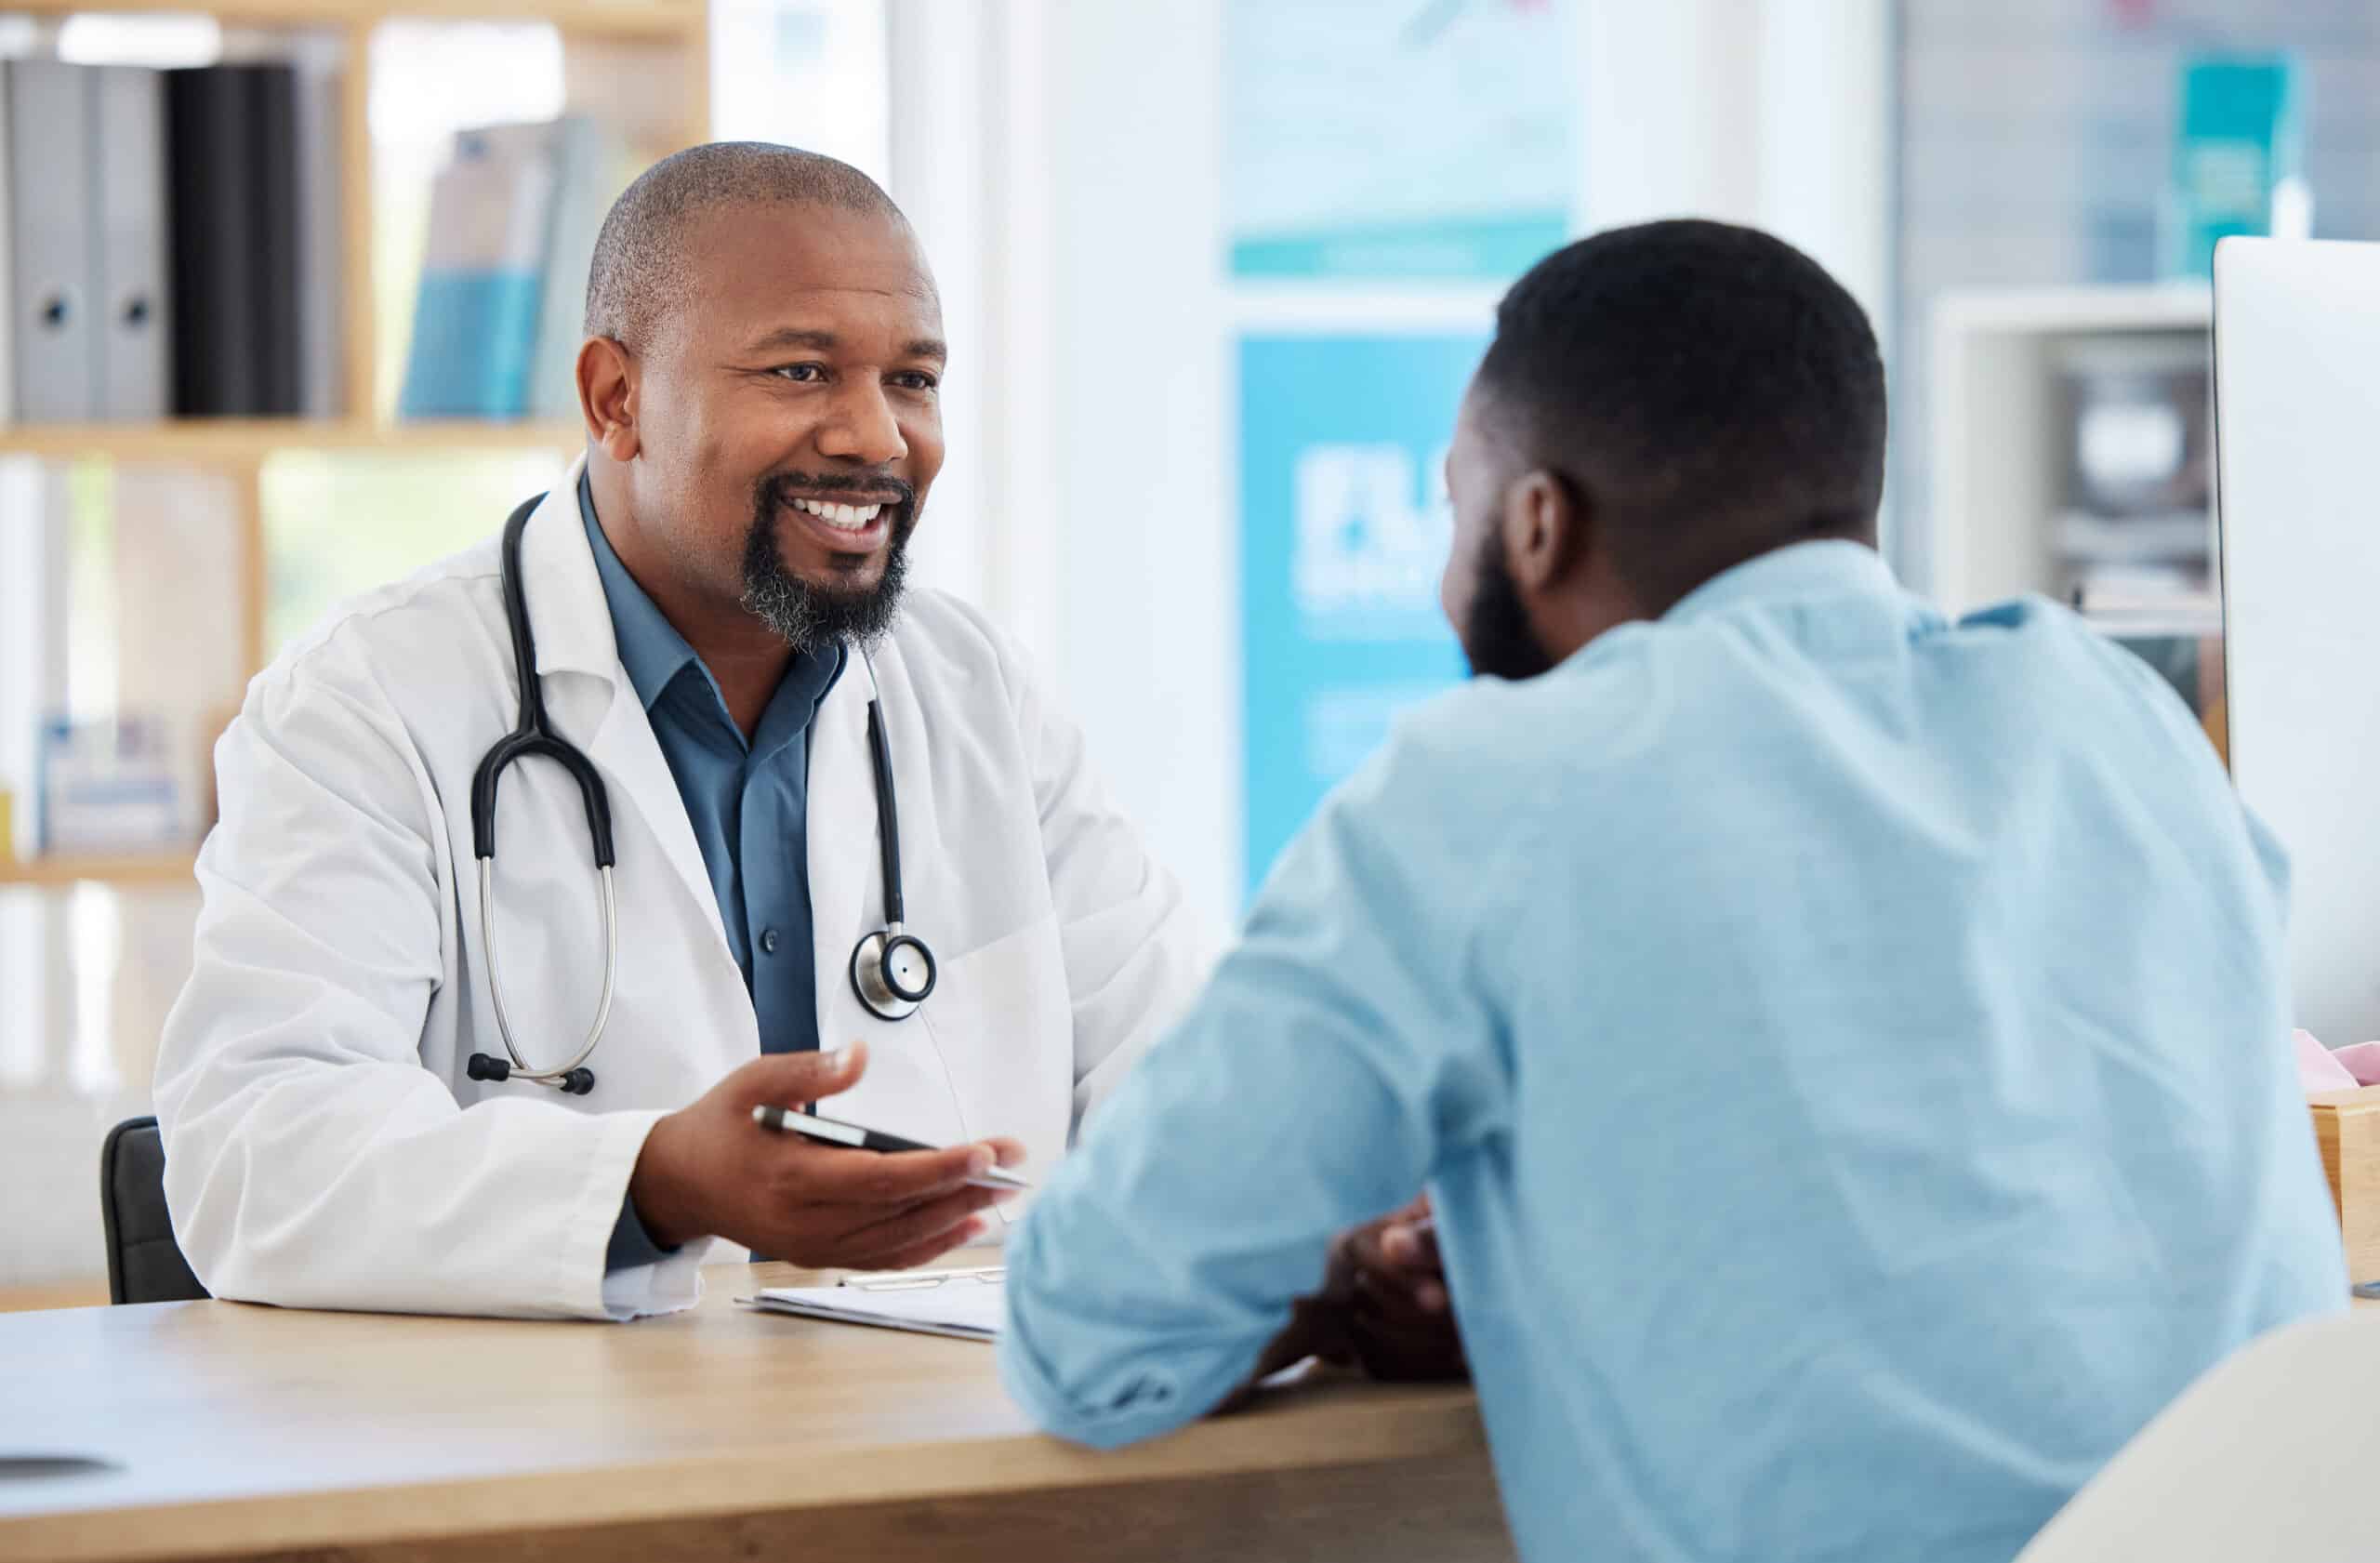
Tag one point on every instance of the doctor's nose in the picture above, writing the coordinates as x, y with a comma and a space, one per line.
862, 429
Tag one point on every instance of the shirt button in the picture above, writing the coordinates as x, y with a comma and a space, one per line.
768, 941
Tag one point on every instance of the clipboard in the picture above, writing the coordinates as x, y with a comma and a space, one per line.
964, 1304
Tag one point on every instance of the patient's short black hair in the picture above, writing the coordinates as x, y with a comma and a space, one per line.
641, 258
1710, 389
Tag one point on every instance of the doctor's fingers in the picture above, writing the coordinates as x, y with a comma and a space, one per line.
820, 1175
795, 1079
925, 1252
951, 1220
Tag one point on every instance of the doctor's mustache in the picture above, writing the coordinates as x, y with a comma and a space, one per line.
783, 488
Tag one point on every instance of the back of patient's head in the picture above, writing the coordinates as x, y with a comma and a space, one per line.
1710, 389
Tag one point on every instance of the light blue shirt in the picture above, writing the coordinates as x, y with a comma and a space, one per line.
1848, 1052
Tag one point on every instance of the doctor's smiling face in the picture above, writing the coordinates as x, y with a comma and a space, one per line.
763, 394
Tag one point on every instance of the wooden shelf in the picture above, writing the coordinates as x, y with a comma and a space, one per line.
164, 870
244, 441
614, 19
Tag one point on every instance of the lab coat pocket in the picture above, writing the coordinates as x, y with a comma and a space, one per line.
1002, 1024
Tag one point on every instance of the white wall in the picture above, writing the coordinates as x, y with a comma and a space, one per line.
1775, 112
1070, 198
1149, 558
1063, 160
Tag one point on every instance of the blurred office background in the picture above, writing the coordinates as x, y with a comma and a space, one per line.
1215, 271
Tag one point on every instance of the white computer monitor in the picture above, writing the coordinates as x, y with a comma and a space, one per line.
2297, 486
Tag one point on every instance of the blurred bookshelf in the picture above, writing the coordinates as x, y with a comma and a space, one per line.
2012, 453
151, 567
657, 20
244, 441
641, 68
163, 870
2070, 447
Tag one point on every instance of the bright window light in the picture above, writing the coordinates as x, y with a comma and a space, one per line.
809, 73
431, 79
167, 41
98, 935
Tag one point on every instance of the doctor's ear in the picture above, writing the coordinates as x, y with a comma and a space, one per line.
1545, 528
607, 396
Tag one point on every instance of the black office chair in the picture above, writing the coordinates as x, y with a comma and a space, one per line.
144, 1262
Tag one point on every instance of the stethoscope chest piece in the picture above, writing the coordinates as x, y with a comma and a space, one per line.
893, 973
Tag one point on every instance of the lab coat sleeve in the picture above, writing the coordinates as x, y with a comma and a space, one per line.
1134, 951
1343, 1051
311, 1159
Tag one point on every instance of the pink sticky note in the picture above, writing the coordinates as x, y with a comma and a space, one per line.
2319, 1069
2362, 1061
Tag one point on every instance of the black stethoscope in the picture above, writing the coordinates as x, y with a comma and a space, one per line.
892, 971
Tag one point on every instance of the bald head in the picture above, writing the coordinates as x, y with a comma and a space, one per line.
641, 257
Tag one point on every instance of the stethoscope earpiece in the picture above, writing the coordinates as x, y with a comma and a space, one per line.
570, 1083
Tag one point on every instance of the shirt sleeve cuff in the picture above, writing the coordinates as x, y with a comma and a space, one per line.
656, 1280
631, 1245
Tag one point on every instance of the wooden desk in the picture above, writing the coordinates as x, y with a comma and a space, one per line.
231, 1431
2347, 1131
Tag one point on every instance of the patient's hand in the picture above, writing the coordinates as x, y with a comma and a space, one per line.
1389, 1287
1383, 1305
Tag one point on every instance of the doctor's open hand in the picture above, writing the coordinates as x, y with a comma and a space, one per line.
708, 1171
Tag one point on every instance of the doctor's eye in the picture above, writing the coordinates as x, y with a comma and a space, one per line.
916, 379
800, 374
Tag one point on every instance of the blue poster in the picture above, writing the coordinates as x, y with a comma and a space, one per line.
1343, 533
2242, 147
1397, 139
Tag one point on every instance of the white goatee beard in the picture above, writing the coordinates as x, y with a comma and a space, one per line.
786, 607
807, 616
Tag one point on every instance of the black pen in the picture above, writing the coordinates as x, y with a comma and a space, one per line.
850, 1136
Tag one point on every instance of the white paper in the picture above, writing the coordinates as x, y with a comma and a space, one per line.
971, 1309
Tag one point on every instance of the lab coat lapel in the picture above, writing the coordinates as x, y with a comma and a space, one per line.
840, 827
627, 751
571, 621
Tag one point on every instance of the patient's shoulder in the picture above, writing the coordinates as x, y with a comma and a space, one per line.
1490, 750
1599, 708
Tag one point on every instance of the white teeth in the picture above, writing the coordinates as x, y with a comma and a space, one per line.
846, 518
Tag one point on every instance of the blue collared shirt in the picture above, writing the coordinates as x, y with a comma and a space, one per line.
1848, 1052
748, 802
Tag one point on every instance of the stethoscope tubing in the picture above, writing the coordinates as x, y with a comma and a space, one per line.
521, 1067
535, 735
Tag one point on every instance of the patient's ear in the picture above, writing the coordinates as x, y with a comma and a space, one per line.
1545, 529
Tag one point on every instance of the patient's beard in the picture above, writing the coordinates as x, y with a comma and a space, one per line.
1495, 633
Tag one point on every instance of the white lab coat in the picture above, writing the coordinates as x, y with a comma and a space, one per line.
324, 1146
